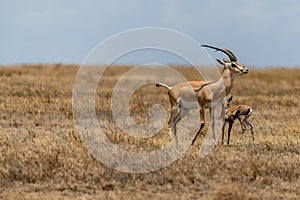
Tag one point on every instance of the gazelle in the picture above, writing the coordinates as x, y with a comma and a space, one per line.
204, 94
236, 112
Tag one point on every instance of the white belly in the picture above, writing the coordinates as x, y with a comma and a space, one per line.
189, 104
209, 105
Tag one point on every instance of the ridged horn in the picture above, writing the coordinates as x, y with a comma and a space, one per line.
226, 51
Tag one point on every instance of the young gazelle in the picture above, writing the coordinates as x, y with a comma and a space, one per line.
203, 93
236, 112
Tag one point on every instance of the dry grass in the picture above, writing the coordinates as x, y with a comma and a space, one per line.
41, 156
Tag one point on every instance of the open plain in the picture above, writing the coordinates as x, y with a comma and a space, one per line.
42, 157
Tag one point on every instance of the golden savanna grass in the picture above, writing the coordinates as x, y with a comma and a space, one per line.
42, 157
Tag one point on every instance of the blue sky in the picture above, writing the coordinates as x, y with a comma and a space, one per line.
261, 33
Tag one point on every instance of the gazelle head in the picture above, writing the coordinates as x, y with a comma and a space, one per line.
226, 102
233, 65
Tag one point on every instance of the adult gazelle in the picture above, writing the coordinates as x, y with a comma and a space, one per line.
203, 94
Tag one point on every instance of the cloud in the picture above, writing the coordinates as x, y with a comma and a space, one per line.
262, 32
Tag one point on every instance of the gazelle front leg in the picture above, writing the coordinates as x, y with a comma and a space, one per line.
229, 130
202, 122
212, 124
242, 122
223, 129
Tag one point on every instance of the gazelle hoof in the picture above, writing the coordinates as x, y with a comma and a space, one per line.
214, 142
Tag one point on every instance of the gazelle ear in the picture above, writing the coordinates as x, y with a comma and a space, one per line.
230, 99
220, 61
223, 61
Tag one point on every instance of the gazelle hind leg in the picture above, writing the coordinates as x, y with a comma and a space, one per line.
251, 128
182, 112
175, 110
249, 124
246, 122
173, 130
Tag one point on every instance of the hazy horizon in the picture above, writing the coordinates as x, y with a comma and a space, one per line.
260, 33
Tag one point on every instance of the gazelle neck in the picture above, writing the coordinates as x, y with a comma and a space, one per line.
227, 78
